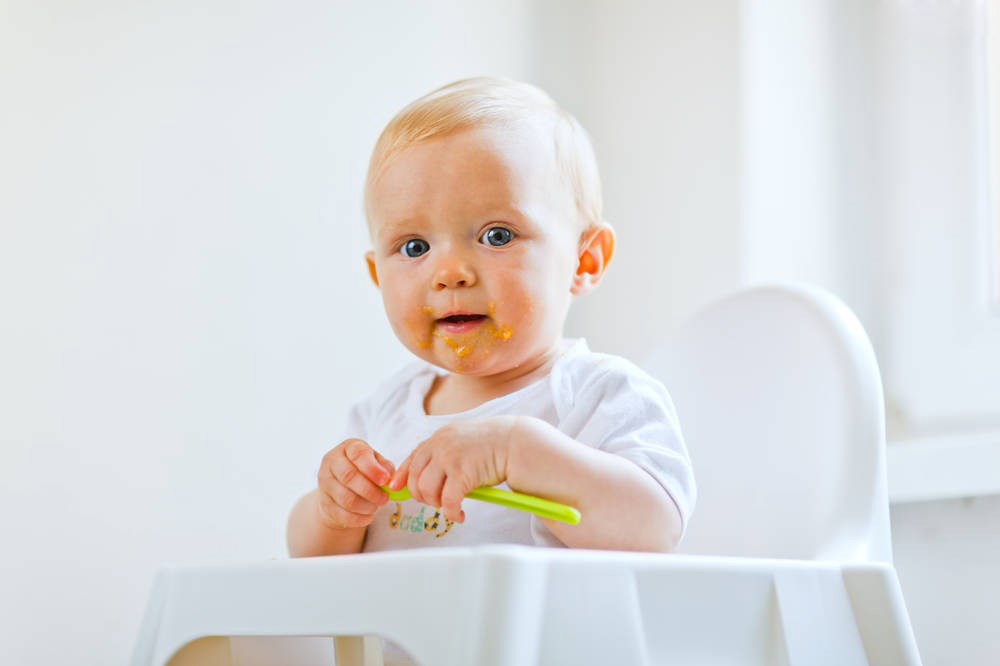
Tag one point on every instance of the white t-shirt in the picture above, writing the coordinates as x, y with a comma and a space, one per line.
600, 400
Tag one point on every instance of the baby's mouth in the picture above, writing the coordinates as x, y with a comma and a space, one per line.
461, 323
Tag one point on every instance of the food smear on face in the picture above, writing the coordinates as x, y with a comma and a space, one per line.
501, 332
481, 338
460, 350
416, 321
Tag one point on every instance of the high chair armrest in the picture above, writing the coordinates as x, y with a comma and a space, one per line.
515, 605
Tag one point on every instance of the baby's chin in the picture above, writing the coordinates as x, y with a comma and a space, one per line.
466, 359
467, 355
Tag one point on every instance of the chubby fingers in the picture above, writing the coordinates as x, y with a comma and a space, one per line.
430, 484
401, 475
451, 499
341, 507
354, 469
386, 464
424, 480
373, 466
424, 484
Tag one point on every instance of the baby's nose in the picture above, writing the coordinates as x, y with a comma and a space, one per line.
454, 272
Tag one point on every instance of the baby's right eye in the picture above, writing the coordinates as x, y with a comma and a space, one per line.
415, 247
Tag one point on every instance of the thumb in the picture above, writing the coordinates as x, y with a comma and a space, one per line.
385, 462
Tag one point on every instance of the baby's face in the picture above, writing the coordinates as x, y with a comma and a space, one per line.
478, 224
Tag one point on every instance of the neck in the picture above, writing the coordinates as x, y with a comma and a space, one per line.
512, 379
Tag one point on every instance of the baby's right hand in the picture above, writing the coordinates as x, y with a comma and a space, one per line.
348, 480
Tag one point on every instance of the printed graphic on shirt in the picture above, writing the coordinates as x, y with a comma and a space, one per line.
419, 522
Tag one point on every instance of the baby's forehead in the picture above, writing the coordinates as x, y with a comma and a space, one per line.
495, 154
469, 172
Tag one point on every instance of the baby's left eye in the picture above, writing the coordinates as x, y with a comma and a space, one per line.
497, 236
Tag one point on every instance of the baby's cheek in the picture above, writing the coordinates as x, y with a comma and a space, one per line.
498, 328
418, 329
410, 324
516, 308
518, 312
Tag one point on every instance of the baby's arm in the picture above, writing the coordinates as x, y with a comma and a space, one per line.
332, 519
309, 536
622, 506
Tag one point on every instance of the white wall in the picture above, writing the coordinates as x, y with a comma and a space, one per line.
946, 555
659, 91
185, 309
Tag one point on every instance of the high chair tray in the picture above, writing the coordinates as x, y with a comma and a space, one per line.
517, 606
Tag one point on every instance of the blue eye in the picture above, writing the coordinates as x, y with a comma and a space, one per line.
497, 236
415, 248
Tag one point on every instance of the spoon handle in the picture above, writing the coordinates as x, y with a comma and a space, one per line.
510, 499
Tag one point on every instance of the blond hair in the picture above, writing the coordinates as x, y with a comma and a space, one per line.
493, 101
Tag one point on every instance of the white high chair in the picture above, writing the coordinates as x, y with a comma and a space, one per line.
780, 400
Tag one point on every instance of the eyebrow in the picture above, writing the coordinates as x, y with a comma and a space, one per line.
402, 226
391, 229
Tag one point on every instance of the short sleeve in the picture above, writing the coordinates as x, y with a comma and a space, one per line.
622, 410
366, 413
356, 425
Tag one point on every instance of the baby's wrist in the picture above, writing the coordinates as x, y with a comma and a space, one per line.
330, 523
517, 446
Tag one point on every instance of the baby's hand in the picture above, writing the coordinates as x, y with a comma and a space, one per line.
459, 457
348, 480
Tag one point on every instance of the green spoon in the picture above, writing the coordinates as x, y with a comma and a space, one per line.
508, 498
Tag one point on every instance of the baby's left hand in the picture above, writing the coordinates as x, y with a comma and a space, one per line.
459, 457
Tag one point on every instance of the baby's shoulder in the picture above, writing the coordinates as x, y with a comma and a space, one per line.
589, 366
595, 374
391, 393
396, 386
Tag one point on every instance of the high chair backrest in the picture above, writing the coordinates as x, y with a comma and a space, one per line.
780, 400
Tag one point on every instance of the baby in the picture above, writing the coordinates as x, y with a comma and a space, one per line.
484, 210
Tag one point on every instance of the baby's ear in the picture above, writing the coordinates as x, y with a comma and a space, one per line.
597, 244
370, 258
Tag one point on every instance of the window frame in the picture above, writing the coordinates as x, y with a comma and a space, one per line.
942, 352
